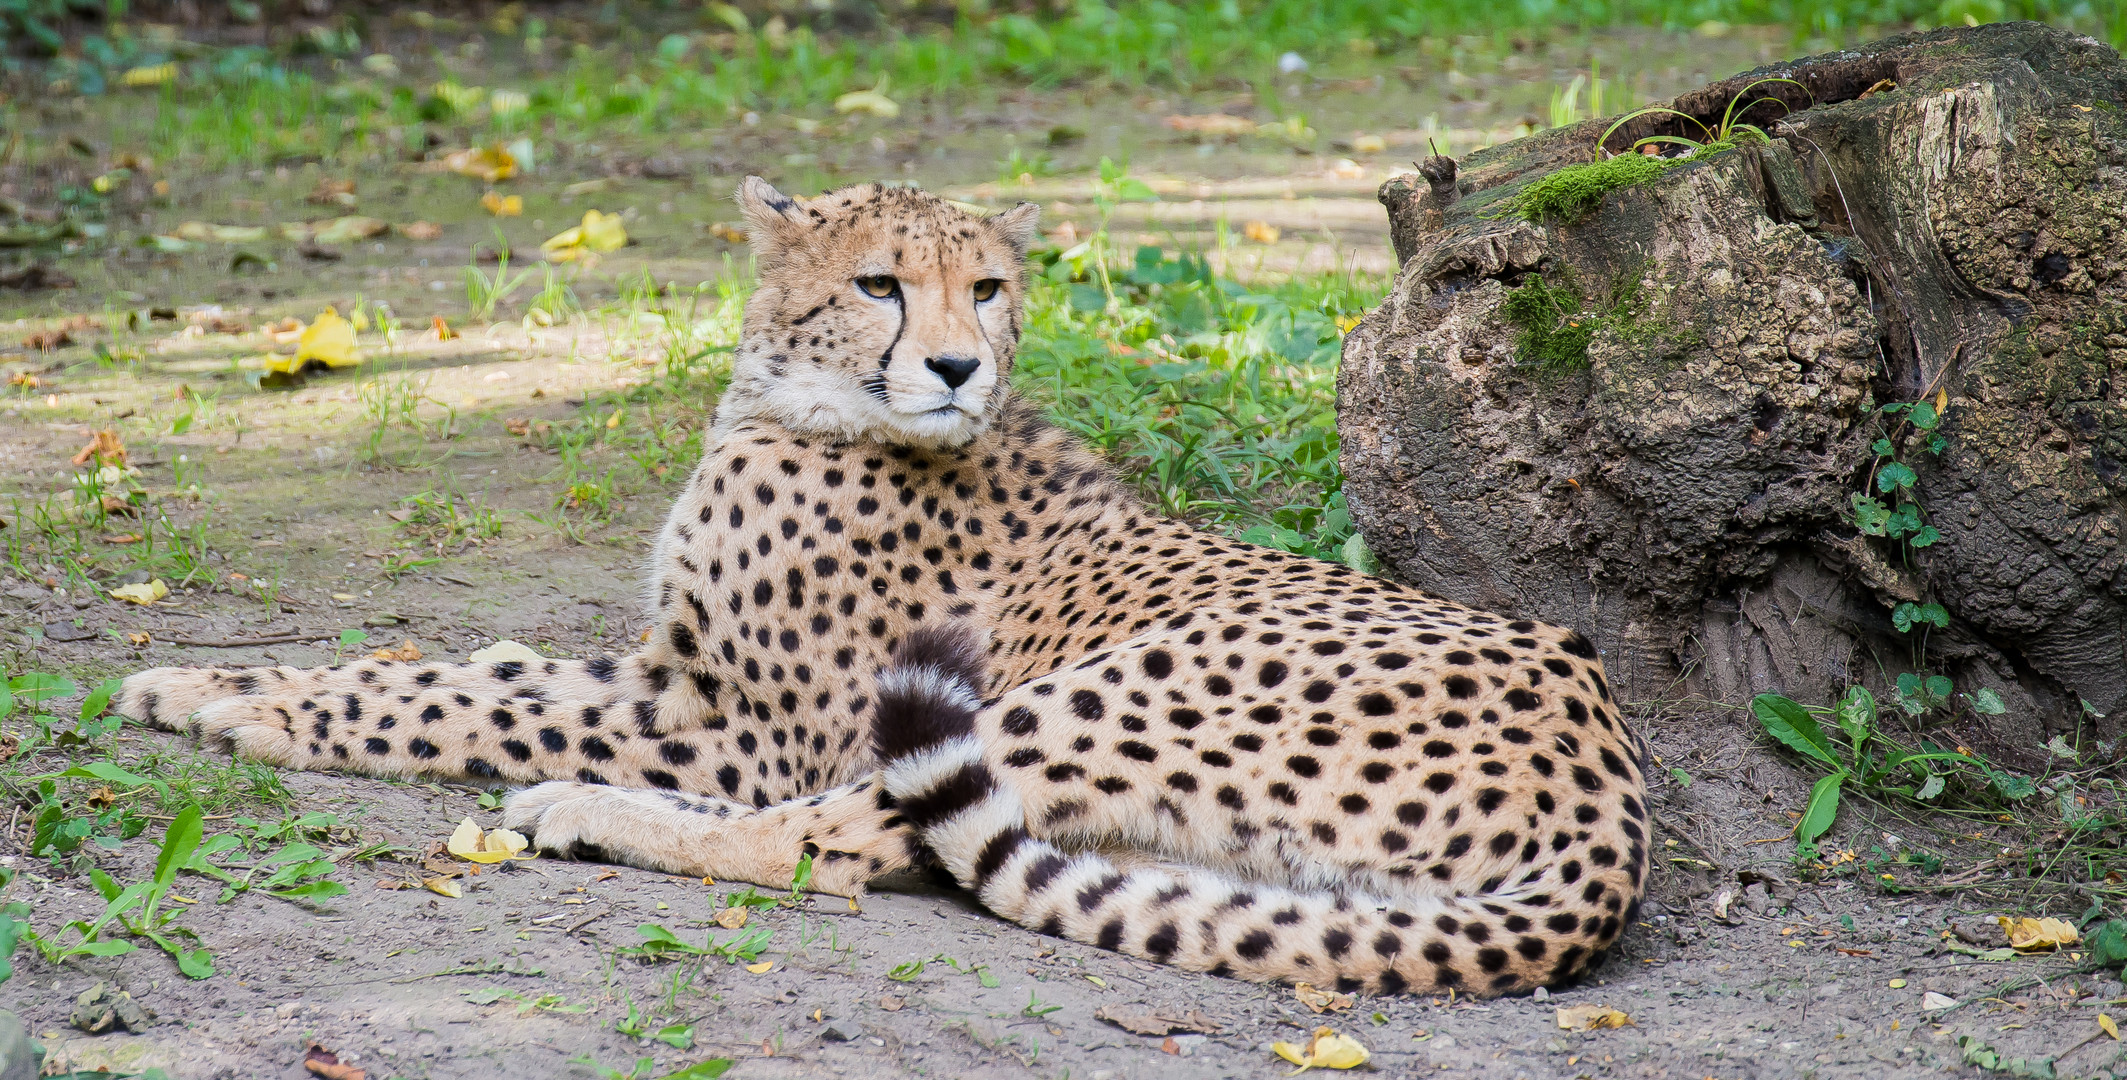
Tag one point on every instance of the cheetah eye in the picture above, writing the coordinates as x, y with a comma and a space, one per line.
879, 286
986, 289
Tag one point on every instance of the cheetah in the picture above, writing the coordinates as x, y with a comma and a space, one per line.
898, 617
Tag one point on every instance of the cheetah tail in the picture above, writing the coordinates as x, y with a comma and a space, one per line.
923, 729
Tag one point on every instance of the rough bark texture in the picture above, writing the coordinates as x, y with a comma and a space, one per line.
1685, 497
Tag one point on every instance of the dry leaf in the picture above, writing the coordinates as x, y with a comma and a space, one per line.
873, 102
420, 230
148, 75
1591, 1018
104, 448
1262, 232
890, 1003
1326, 1050
139, 640
123, 538
760, 968
1934, 1002
2110, 1028
1321, 1000
728, 232
407, 652
443, 887
502, 205
330, 192
599, 233
1157, 1021
731, 918
325, 1063
2037, 934
442, 329
330, 340
489, 163
496, 845
146, 593
1368, 144
347, 230
1213, 125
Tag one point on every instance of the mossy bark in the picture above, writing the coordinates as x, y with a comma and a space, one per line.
1686, 497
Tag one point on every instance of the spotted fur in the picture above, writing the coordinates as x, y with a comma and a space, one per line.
1350, 781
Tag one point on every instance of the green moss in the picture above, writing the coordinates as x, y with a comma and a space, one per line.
1552, 332
1569, 194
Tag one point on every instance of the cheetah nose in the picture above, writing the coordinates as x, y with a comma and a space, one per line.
952, 370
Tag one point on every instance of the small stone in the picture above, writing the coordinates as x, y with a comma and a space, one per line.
103, 1008
1934, 1002
841, 1031
1543, 993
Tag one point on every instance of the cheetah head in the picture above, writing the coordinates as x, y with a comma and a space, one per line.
883, 312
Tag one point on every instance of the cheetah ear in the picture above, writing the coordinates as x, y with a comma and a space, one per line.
774, 220
1016, 226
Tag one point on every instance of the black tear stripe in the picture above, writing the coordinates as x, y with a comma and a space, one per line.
877, 385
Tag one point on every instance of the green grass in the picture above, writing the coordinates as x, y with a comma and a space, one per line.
653, 72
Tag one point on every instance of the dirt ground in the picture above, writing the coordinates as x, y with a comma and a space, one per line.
1738, 969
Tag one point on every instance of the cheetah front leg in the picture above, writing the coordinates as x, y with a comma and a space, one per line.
166, 698
852, 833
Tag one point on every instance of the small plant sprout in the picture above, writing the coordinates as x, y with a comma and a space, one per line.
1728, 132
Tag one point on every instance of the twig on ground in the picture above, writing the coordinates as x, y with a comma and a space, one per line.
238, 643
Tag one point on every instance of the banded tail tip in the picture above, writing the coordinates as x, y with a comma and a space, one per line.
930, 691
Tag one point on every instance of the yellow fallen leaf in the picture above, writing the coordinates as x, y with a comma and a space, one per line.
1262, 232
2035, 934
873, 101
201, 232
1326, 1049
442, 329
502, 205
144, 593
1591, 1018
760, 968
1369, 144
2110, 1028
468, 843
149, 75
1321, 1000
731, 918
330, 340
598, 233
728, 232
443, 887
489, 163
420, 230
1212, 125
347, 230
508, 102
465, 840
138, 639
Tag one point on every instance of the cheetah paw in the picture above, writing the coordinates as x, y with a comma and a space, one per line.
165, 698
249, 728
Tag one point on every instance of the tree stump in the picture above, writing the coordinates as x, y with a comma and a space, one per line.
1651, 419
